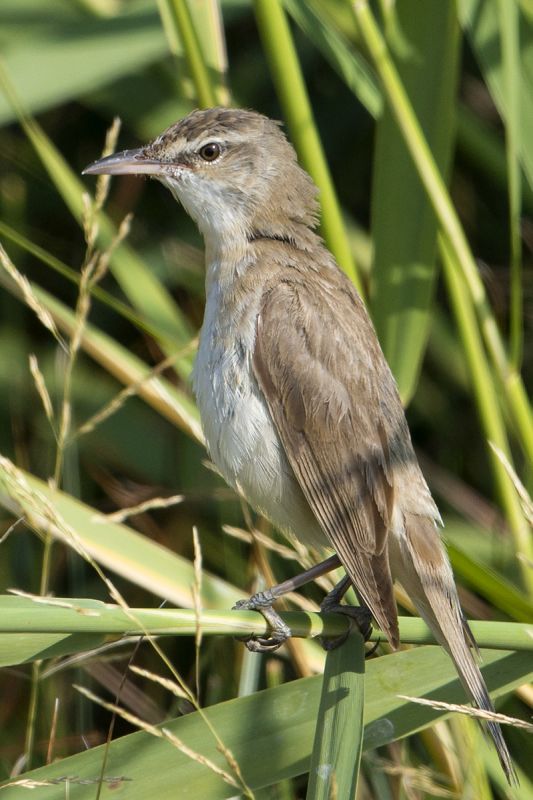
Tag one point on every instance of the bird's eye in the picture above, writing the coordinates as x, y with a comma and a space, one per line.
210, 151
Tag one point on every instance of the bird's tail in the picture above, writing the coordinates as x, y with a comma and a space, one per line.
423, 568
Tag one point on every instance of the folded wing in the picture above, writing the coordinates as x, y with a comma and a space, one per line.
336, 409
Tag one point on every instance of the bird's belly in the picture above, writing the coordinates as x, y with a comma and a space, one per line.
243, 442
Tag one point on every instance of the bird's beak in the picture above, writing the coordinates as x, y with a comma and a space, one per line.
128, 162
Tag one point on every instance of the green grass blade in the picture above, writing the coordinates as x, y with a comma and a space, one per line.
510, 81
524, 791
404, 226
482, 22
136, 280
170, 401
178, 24
452, 231
97, 50
312, 17
338, 740
278, 723
510, 46
18, 648
25, 617
74, 277
115, 546
208, 21
288, 79
461, 266
499, 591
481, 146
489, 410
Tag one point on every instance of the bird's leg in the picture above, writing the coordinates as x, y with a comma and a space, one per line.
360, 615
262, 602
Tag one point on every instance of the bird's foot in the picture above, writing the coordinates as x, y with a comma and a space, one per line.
279, 631
357, 615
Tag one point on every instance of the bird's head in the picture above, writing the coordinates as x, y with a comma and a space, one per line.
233, 171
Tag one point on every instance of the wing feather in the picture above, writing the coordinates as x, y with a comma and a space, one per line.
325, 381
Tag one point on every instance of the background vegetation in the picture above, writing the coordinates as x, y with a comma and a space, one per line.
416, 121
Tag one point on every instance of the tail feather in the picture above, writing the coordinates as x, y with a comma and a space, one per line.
424, 570
371, 576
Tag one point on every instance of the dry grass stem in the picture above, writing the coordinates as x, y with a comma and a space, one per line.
19, 766
83, 305
42, 391
53, 732
197, 604
194, 702
26, 783
40, 513
96, 263
44, 317
525, 498
53, 601
94, 269
148, 505
103, 181
159, 733
102, 262
80, 659
129, 391
166, 683
43, 516
301, 555
89, 222
206, 762
419, 779
246, 536
468, 711
11, 529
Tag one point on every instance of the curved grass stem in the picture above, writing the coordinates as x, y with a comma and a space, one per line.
287, 75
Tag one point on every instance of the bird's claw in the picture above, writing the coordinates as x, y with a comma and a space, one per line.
279, 630
357, 615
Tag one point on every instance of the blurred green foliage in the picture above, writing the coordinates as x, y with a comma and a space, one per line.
74, 67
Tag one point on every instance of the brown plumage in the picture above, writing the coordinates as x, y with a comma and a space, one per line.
298, 405
339, 454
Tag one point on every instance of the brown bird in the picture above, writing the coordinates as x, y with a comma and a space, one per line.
298, 405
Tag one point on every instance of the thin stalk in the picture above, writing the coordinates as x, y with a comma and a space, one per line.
62, 435
96, 265
177, 20
37, 666
483, 150
173, 403
29, 739
509, 36
489, 410
143, 289
62, 615
105, 297
452, 230
46, 567
290, 87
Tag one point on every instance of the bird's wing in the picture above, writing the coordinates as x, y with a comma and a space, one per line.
336, 409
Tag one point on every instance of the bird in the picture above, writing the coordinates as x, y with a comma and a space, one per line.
300, 410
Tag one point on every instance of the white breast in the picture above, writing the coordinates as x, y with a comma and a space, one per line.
241, 437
